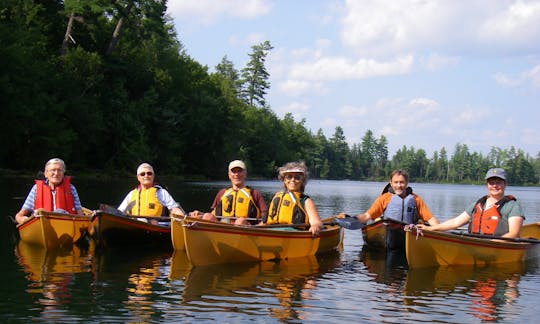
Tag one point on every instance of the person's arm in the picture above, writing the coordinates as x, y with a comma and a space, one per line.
514, 226
259, 201
423, 211
168, 201
28, 206
313, 215
208, 216
450, 224
124, 204
376, 209
76, 200
22, 215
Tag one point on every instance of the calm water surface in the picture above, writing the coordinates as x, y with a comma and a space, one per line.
352, 285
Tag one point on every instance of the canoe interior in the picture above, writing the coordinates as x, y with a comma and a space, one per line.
110, 231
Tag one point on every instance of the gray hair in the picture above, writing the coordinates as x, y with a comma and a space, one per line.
296, 167
56, 161
144, 166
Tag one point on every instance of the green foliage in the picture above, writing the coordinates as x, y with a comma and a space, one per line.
104, 107
255, 76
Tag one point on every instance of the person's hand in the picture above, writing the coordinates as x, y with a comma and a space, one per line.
21, 219
195, 214
421, 227
177, 211
315, 228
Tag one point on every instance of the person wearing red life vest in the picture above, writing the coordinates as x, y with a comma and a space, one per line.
54, 193
495, 214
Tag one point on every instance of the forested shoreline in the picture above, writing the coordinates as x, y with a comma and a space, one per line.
106, 85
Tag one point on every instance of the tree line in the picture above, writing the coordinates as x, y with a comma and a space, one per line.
106, 85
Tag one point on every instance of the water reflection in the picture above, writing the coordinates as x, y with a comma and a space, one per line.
52, 273
278, 288
388, 267
488, 290
133, 276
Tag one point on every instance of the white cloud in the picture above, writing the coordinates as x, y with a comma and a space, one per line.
505, 81
209, 11
297, 109
300, 87
470, 115
340, 68
531, 77
423, 102
388, 27
351, 111
516, 24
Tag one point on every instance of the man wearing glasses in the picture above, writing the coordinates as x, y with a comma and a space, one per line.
54, 193
148, 198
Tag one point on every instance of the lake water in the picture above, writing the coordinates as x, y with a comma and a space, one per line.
353, 285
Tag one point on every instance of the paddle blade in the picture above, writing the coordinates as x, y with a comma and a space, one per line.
350, 223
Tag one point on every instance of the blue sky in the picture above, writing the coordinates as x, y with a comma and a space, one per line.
428, 74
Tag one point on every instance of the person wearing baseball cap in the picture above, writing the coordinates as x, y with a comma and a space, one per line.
238, 204
494, 214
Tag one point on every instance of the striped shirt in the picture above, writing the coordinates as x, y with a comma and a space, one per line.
31, 198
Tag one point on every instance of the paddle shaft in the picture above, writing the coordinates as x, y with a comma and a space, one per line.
231, 217
511, 239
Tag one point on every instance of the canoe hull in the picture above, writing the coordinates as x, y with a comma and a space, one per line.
384, 234
177, 234
111, 231
433, 249
214, 243
54, 230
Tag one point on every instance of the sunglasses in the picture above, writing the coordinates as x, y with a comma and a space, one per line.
149, 173
297, 177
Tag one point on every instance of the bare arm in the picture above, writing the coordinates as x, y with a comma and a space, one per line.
314, 219
22, 215
514, 226
450, 224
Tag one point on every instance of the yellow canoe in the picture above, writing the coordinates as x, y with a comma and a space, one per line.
432, 249
53, 230
214, 242
384, 234
177, 233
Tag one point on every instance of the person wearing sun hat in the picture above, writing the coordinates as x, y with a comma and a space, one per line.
292, 205
238, 204
148, 198
494, 214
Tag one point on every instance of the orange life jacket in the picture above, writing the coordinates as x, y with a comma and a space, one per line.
489, 221
63, 197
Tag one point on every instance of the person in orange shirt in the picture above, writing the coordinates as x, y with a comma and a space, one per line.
399, 203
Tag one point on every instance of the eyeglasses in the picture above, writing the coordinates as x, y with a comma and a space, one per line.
495, 182
297, 177
149, 173
55, 170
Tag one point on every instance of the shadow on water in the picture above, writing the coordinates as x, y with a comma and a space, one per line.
388, 267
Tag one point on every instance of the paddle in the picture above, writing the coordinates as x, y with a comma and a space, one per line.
113, 211
347, 222
511, 239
